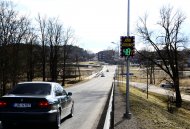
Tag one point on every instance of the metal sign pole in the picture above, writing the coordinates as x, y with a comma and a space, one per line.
127, 114
128, 13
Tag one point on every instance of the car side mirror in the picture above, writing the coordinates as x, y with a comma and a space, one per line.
69, 94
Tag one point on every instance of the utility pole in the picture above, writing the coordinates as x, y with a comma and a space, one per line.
127, 113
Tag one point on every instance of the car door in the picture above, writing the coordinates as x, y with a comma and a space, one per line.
68, 102
62, 100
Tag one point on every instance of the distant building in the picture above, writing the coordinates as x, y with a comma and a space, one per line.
106, 56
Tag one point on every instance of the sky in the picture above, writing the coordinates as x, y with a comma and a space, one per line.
98, 24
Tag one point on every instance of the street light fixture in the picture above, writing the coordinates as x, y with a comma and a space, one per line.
117, 47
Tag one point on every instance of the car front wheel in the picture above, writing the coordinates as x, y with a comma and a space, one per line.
72, 111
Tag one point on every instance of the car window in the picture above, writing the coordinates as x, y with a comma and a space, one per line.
58, 90
64, 92
32, 89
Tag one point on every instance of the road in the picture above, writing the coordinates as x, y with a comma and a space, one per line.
90, 98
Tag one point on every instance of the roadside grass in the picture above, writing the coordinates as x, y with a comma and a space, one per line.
152, 113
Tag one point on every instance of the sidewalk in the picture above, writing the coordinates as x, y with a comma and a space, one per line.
158, 90
121, 122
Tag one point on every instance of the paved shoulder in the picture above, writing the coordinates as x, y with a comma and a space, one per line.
119, 121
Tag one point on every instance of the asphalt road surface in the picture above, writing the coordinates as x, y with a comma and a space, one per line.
90, 98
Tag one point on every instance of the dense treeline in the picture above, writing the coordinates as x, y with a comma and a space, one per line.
28, 52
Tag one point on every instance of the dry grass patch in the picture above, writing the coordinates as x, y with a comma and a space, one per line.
185, 82
152, 113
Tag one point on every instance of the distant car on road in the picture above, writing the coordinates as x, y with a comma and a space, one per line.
41, 102
102, 75
167, 85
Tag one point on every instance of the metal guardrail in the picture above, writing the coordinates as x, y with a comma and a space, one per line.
109, 121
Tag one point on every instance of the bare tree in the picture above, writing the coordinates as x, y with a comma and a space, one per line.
166, 44
68, 39
22, 26
54, 33
12, 30
42, 25
7, 13
30, 40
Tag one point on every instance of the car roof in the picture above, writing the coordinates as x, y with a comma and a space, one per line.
35, 82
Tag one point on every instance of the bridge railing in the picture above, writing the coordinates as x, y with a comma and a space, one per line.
109, 121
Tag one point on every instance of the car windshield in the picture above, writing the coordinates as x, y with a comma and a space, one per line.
31, 89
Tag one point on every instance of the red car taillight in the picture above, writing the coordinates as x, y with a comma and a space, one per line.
44, 104
3, 104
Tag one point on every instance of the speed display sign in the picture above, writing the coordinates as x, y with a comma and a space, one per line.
127, 46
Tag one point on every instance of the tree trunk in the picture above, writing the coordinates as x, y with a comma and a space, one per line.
55, 62
63, 73
63, 76
43, 62
51, 61
151, 79
177, 91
